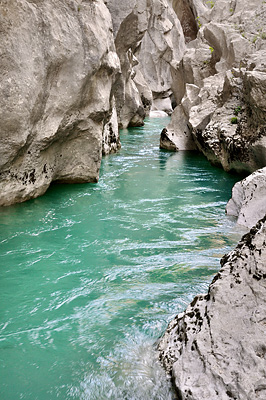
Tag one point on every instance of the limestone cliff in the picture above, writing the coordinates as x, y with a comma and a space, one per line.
220, 83
71, 73
216, 348
248, 202
148, 37
57, 114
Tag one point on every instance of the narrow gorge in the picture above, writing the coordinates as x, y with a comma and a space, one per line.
155, 110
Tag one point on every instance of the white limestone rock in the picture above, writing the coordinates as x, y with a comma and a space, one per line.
162, 43
187, 18
227, 63
144, 91
148, 37
216, 349
177, 136
248, 202
110, 133
58, 67
158, 114
130, 22
162, 104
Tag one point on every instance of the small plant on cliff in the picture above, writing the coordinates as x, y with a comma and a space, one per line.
234, 120
211, 3
237, 110
199, 23
212, 49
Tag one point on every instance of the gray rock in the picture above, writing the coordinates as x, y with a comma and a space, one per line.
187, 19
177, 136
227, 63
56, 87
162, 43
131, 111
148, 37
216, 349
248, 202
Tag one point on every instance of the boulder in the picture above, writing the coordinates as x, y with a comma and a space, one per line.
216, 348
58, 67
248, 202
177, 136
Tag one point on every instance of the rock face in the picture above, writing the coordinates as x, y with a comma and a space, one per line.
130, 23
148, 37
216, 349
71, 73
162, 43
219, 85
57, 111
248, 202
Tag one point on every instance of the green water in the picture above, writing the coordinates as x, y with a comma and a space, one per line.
91, 274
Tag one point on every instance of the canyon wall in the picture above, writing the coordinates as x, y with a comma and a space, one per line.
248, 202
58, 114
148, 37
72, 72
216, 348
220, 85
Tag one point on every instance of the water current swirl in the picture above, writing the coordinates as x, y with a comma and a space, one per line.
91, 274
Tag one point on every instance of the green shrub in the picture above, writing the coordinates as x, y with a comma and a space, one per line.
234, 120
199, 23
237, 110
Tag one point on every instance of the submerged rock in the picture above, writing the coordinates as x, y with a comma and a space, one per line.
57, 110
216, 349
248, 202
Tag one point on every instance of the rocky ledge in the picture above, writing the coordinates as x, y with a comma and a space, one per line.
219, 86
216, 349
248, 202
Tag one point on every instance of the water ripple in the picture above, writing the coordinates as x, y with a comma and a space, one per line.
91, 274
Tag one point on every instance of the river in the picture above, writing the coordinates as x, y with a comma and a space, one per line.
91, 274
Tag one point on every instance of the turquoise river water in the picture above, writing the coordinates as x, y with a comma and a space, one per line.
91, 274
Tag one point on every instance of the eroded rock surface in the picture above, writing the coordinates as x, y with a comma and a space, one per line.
248, 202
148, 37
216, 349
162, 43
57, 111
219, 85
